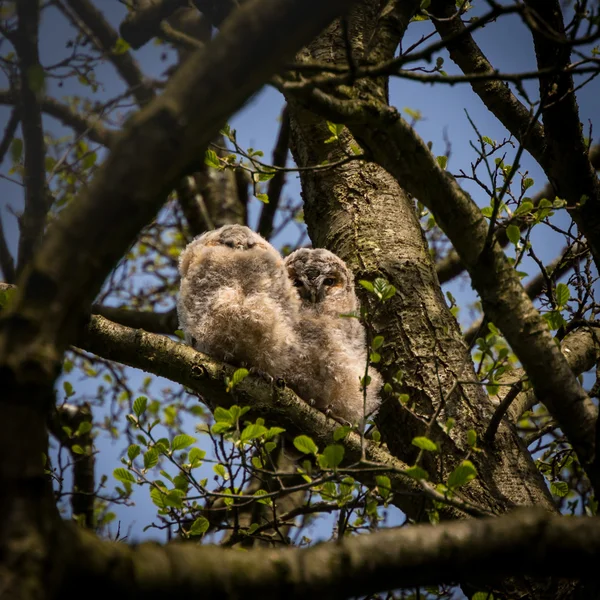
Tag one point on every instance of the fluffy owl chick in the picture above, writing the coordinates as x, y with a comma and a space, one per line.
236, 302
333, 347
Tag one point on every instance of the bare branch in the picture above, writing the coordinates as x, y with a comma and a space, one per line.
280, 152
141, 25
91, 20
556, 269
9, 133
33, 219
565, 158
86, 126
450, 266
84, 486
495, 94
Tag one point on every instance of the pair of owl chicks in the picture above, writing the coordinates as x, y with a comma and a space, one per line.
240, 302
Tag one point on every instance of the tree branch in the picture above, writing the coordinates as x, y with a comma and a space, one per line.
180, 363
84, 486
141, 25
7, 264
33, 220
556, 269
9, 132
397, 148
450, 266
525, 542
565, 158
280, 152
88, 17
86, 126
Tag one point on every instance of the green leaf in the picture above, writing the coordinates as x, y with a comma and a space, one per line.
211, 159
464, 473
335, 128
341, 432
222, 415
69, 391
513, 233
527, 183
239, 376
487, 140
367, 285
139, 406
199, 526
273, 431
251, 432
482, 596
559, 488
471, 438
195, 456
220, 427
84, 427
133, 451
182, 441
150, 458
486, 211
266, 176
387, 388
384, 486
264, 198
375, 357
305, 445
425, 444
179, 334
524, 209
158, 497
124, 475
554, 319
377, 342
333, 456
77, 449
562, 294
220, 470
16, 149
120, 47
442, 161
417, 473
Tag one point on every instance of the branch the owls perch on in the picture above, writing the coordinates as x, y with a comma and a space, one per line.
180, 363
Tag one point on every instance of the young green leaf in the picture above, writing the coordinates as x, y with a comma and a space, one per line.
305, 445
199, 526
464, 473
562, 294
150, 458
425, 444
124, 475
182, 441
513, 233
333, 456
139, 406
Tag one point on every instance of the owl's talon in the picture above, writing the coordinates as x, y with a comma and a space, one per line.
262, 374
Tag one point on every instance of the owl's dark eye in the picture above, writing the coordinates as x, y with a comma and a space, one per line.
329, 281
229, 243
297, 283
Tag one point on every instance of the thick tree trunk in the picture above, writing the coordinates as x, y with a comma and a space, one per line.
360, 212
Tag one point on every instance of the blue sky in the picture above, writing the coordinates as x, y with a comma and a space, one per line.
506, 43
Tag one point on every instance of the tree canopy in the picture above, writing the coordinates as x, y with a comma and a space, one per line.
479, 475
